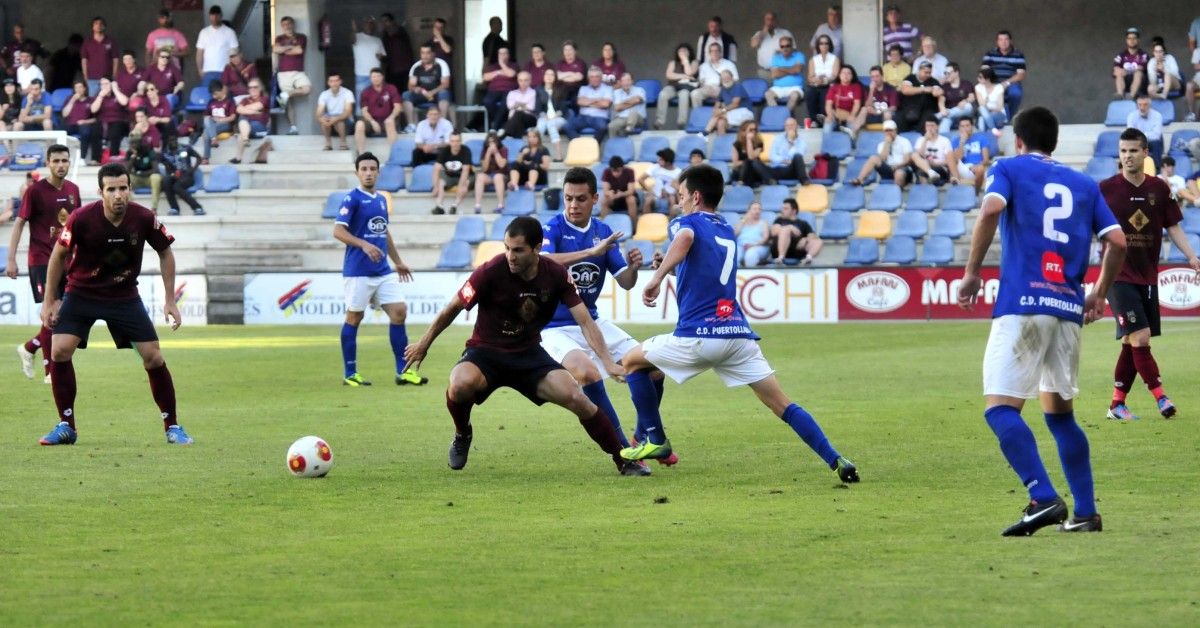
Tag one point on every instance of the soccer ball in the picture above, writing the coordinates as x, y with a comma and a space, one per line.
309, 457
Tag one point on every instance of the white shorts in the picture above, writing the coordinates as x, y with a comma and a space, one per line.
785, 92
373, 291
737, 361
964, 172
1027, 354
559, 341
735, 117
292, 81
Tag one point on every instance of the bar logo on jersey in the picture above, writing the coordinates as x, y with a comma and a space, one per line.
1052, 267
586, 275
377, 225
1139, 220
724, 308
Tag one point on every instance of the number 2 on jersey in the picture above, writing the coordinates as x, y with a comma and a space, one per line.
730, 247
1056, 212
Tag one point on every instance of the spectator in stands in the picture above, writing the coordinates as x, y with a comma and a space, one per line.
1194, 35
10, 104
130, 79
531, 164
552, 107
1129, 66
522, 107
397, 47
37, 113
787, 75
158, 111
572, 71
289, 48
98, 55
681, 78
1009, 65
629, 107
844, 100
1162, 72
832, 27
957, 100
715, 35
752, 233
493, 165
610, 64
933, 157
142, 163
891, 160
897, 32
659, 183
443, 44
452, 169
237, 75
746, 164
1192, 96
81, 123
766, 42
919, 98
786, 157
989, 102
696, 157
895, 70
537, 64
618, 189
166, 37
254, 118
428, 84
710, 75
594, 101
1150, 122
212, 47
823, 70
1179, 188
27, 72
501, 78
109, 107
732, 107
179, 164
972, 154
368, 53
379, 109
881, 102
65, 63
494, 41
334, 108
165, 75
792, 237
432, 134
220, 116
929, 54
147, 133
9, 55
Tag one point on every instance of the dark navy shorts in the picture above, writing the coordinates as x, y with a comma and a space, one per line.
127, 320
37, 283
1135, 307
520, 370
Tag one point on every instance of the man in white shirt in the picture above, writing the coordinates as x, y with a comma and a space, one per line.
832, 26
368, 50
629, 107
710, 76
431, 135
334, 107
930, 55
1150, 122
594, 100
27, 71
213, 46
933, 157
766, 41
891, 160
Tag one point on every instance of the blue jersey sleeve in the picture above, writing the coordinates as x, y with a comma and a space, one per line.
615, 261
550, 237
999, 183
346, 212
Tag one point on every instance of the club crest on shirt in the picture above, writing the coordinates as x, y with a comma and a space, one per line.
1150, 199
528, 309
1139, 220
63, 213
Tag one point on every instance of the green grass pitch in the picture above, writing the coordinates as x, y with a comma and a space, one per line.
749, 529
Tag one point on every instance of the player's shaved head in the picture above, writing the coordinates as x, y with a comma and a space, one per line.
1037, 128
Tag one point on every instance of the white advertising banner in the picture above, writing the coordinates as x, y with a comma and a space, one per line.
191, 295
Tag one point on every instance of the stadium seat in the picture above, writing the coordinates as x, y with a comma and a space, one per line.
1100, 168
855, 167
885, 197
619, 222
874, 224
772, 197
862, 251
223, 179
617, 146
1118, 112
652, 227
1164, 107
173, 100
722, 148
912, 223
767, 139
900, 250
391, 178
401, 153
198, 99
837, 144
1176, 255
721, 167
1191, 222
514, 146
922, 197
197, 182
544, 215
60, 96
639, 168
867, 143
456, 254
332, 203
582, 151
756, 88
960, 198
1107, 144
1181, 137
938, 250
652, 87
31, 155
912, 136
476, 148
848, 198
813, 198
837, 225
698, 119
772, 118
808, 217
732, 218
487, 250
689, 143
422, 179
950, 224
520, 202
769, 217
542, 206
499, 225
1183, 164
737, 198
646, 247
469, 229
651, 144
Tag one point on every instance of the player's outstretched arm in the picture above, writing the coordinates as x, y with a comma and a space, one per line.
1110, 264
676, 253
595, 340
54, 274
633, 260
597, 250
981, 241
1178, 238
402, 269
166, 266
343, 235
13, 242
414, 354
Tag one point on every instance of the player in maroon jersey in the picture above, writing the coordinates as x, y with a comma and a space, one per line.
1144, 207
101, 249
517, 293
46, 205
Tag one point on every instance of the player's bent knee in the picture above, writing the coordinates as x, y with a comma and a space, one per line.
354, 318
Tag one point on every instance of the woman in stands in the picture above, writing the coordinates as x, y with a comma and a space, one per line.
752, 233
610, 64
990, 96
81, 123
823, 70
746, 165
682, 76
109, 105
552, 106
844, 100
1162, 72
531, 163
493, 165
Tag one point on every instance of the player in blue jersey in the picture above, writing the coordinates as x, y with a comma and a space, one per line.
712, 332
362, 225
1047, 214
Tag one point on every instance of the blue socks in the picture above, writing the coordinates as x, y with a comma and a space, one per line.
398, 335
1075, 454
350, 348
596, 393
645, 399
806, 427
1020, 449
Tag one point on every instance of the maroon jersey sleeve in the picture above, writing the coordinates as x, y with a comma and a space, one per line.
157, 235
473, 288
66, 237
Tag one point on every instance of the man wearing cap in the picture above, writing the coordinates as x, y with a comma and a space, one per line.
166, 37
892, 159
1129, 66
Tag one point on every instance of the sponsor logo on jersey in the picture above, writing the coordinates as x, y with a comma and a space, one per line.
877, 291
586, 275
1052, 267
377, 225
467, 292
1139, 220
724, 308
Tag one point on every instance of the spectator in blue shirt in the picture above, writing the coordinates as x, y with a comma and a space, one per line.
732, 108
787, 75
786, 158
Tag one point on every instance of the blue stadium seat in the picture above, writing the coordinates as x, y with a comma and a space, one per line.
59, 98
723, 168
885, 197
422, 179
922, 197
646, 247
772, 119
1180, 138
499, 225
949, 224
848, 198
772, 197
960, 198
698, 119
731, 217
1108, 144
617, 146
544, 215
651, 144
31, 151
197, 181
722, 148
1118, 112
737, 198
938, 250
837, 144
900, 250
476, 147
223, 179
862, 251
1100, 168
456, 254
514, 146
689, 143
769, 217
1176, 255
912, 223
837, 225
198, 99
332, 203
520, 203
469, 229
1191, 222
867, 143
852, 170
756, 88
808, 217
620, 222
391, 178
173, 99
1164, 107
401, 153
1183, 164
652, 87
912, 136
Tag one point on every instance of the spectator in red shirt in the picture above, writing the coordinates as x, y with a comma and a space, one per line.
1129, 67
572, 72
130, 79
81, 123
618, 188
397, 48
610, 64
255, 118
379, 108
98, 55
538, 64
165, 75
843, 100
219, 116
109, 107
237, 75
158, 111
501, 78
879, 104
292, 81
18, 44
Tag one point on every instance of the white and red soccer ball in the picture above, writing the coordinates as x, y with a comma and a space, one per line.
310, 457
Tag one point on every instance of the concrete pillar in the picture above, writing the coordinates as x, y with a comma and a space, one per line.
862, 24
306, 13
